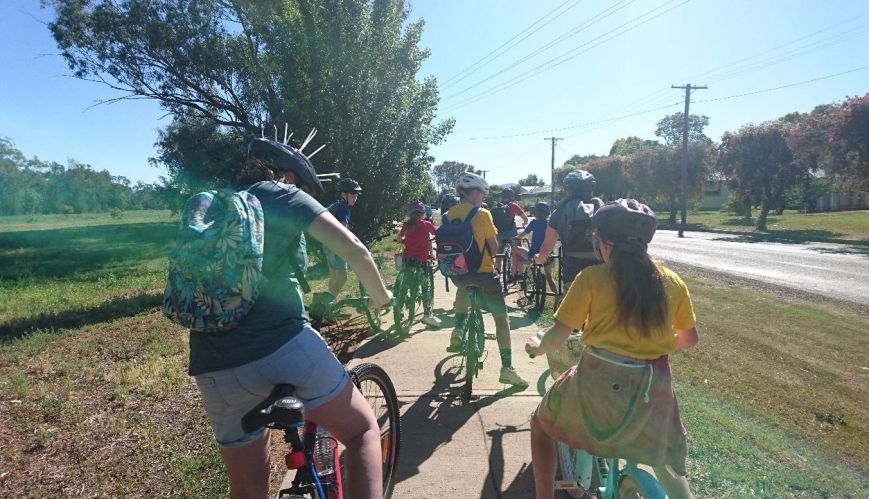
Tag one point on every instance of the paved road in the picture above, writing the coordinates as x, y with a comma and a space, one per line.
836, 270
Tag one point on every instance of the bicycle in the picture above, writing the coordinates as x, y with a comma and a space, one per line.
335, 314
314, 454
414, 285
474, 338
533, 284
506, 266
581, 473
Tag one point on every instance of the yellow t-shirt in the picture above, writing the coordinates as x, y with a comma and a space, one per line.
482, 226
592, 298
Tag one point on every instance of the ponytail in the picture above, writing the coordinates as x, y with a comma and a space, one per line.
253, 171
642, 298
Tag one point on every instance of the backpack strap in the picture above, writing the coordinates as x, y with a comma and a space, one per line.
472, 213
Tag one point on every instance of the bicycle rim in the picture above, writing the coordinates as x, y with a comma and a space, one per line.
378, 390
474, 335
528, 283
539, 290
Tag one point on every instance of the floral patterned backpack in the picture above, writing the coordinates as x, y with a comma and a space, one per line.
216, 268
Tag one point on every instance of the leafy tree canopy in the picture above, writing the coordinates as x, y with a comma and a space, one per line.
630, 145
447, 173
532, 180
346, 67
670, 128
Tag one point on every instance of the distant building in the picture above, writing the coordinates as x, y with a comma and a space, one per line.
715, 194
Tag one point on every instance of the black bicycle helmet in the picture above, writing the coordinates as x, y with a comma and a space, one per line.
542, 208
579, 181
508, 195
347, 184
626, 223
283, 157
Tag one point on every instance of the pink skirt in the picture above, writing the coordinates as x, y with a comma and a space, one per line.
613, 406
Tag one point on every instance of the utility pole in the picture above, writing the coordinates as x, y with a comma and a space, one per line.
687, 88
483, 173
552, 171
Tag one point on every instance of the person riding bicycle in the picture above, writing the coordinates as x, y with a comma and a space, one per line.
473, 189
537, 229
571, 223
415, 235
274, 343
618, 401
448, 200
504, 215
348, 193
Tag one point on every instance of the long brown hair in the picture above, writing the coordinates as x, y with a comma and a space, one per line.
253, 171
640, 294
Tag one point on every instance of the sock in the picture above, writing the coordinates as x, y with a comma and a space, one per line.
506, 357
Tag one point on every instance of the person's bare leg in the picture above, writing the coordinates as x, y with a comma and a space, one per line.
674, 485
502, 330
248, 468
550, 280
349, 418
337, 279
542, 461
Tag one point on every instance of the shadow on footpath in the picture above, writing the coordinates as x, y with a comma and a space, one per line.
116, 308
523, 485
435, 416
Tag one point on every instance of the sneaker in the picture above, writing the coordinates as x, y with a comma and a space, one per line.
510, 377
431, 320
456, 344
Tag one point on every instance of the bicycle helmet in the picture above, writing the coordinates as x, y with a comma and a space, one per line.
470, 180
542, 208
347, 184
579, 181
284, 157
416, 207
508, 195
627, 223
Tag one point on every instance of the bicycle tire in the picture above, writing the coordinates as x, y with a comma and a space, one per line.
528, 283
373, 317
474, 335
429, 292
506, 267
404, 311
539, 289
631, 489
567, 471
378, 390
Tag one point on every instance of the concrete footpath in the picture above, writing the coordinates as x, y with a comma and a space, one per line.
455, 450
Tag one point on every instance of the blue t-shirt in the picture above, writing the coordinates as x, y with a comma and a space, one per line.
341, 211
278, 313
537, 229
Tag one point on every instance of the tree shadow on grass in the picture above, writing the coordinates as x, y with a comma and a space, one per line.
59, 253
116, 308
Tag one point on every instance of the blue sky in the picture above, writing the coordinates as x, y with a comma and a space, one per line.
617, 67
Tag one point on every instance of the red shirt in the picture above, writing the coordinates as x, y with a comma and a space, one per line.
417, 243
515, 211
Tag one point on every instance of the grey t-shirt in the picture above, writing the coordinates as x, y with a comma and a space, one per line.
279, 313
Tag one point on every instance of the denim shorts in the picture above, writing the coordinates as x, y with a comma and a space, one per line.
334, 261
305, 362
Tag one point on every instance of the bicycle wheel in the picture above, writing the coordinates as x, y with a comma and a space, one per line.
539, 289
475, 336
429, 292
378, 390
528, 283
506, 267
631, 489
373, 317
568, 461
404, 311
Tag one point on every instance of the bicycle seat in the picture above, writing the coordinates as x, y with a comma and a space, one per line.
279, 410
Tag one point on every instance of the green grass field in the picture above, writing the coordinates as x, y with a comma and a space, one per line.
93, 383
852, 225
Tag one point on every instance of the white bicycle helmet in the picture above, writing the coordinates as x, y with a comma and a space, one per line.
470, 180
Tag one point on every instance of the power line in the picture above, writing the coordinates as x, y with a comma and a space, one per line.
578, 125
572, 32
480, 63
570, 55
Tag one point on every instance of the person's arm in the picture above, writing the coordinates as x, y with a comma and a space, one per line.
401, 235
686, 338
522, 214
551, 341
547, 246
343, 243
492, 242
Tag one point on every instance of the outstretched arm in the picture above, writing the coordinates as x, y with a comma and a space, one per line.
547, 246
340, 241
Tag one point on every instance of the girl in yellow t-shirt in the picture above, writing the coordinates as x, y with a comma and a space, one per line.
618, 400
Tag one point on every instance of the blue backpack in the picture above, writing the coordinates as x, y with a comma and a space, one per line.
215, 270
457, 250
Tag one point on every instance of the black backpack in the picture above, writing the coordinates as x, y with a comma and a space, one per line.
578, 225
502, 219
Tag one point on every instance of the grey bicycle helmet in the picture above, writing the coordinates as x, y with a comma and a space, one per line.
470, 180
348, 185
626, 223
579, 181
283, 157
